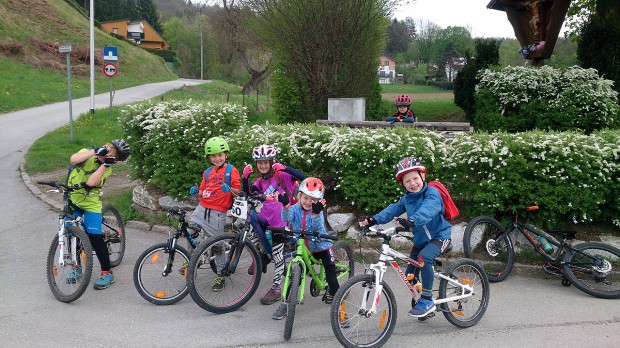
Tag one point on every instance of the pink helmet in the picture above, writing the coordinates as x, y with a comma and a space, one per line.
313, 187
406, 165
403, 100
264, 152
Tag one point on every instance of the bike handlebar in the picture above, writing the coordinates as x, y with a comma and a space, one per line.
307, 233
59, 185
371, 231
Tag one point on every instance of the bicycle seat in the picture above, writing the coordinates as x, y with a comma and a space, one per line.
565, 234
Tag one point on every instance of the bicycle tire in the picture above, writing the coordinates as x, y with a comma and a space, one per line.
601, 280
346, 308
475, 306
343, 253
292, 299
58, 276
497, 259
239, 287
148, 276
113, 233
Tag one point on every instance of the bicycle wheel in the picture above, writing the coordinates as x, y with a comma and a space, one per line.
594, 268
467, 311
480, 243
69, 282
113, 234
344, 259
160, 277
211, 257
350, 321
292, 299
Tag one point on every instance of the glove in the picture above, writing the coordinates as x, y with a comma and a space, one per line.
406, 223
193, 190
225, 187
317, 208
109, 161
253, 189
283, 199
371, 221
278, 167
101, 151
247, 171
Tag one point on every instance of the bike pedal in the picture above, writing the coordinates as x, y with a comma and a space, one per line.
428, 316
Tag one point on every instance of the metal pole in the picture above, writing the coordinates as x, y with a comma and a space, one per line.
201, 57
92, 56
110, 114
69, 93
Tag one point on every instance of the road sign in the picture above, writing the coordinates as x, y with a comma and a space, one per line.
64, 49
110, 70
110, 54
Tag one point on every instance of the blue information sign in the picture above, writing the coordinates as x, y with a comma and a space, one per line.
110, 54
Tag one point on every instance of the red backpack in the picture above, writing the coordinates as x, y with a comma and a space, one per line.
450, 209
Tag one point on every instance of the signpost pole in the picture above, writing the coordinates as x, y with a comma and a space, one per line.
67, 49
110, 115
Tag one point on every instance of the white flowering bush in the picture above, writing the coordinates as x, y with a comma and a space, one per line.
574, 178
168, 139
517, 99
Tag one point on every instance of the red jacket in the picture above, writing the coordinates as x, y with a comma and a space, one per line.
212, 196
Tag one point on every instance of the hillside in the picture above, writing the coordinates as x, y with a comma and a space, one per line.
33, 73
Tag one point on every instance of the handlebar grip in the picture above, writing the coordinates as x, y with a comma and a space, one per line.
48, 183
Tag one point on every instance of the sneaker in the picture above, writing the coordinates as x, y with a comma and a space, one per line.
106, 279
328, 298
218, 284
280, 313
345, 323
422, 308
74, 275
273, 295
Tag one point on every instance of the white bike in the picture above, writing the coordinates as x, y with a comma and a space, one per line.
364, 313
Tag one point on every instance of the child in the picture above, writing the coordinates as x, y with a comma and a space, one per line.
431, 231
216, 197
92, 167
403, 112
273, 177
307, 215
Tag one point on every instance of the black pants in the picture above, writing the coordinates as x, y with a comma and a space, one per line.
328, 259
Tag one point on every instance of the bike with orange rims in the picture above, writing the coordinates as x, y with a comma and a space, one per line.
160, 272
364, 311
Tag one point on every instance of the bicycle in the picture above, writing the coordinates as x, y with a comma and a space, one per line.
303, 263
364, 310
593, 268
113, 229
160, 272
223, 255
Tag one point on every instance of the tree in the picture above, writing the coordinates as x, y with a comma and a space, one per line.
147, 11
422, 50
324, 48
398, 37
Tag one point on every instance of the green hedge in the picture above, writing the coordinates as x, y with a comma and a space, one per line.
574, 177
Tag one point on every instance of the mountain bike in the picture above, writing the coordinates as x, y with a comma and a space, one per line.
593, 268
160, 272
231, 255
364, 311
304, 263
70, 257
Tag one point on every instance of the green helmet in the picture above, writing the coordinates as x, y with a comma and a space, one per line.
216, 145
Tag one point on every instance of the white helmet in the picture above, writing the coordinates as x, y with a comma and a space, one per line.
313, 187
264, 152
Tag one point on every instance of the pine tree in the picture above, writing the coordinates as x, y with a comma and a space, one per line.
148, 11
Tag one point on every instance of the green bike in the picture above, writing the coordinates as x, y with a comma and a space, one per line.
303, 263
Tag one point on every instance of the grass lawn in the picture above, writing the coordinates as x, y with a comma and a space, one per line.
412, 89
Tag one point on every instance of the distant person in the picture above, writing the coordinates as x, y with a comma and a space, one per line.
90, 169
403, 111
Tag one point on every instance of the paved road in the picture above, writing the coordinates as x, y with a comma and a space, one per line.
522, 311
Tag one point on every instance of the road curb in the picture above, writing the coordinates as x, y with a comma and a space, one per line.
35, 190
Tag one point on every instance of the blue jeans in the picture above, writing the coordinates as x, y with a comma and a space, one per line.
428, 253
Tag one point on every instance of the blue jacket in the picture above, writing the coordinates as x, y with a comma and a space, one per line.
296, 215
425, 211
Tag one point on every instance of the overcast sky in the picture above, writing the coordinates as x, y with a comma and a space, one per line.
473, 14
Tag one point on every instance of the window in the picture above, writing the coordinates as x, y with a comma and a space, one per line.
115, 30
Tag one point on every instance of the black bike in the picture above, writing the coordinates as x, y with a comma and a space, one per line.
160, 273
593, 268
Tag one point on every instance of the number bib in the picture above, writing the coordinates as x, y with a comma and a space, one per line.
239, 208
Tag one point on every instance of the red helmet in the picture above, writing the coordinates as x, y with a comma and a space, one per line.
408, 164
313, 187
403, 100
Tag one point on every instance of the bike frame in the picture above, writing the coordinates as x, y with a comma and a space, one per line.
65, 218
379, 269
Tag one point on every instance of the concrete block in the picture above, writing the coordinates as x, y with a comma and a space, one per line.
346, 109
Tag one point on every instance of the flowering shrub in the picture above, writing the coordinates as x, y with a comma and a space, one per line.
168, 139
573, 177
520, 99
